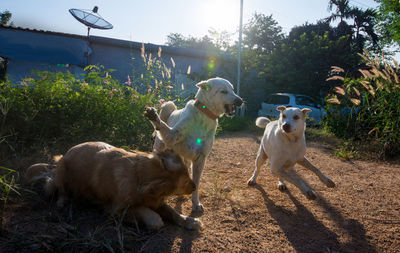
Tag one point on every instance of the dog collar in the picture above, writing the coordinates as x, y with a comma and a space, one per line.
205, 110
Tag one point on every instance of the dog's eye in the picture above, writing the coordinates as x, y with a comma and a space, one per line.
224, 91
296, 117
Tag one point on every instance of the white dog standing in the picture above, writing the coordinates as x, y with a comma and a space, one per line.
190, 131
284, 144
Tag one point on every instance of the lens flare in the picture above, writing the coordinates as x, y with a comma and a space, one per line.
211, 64
198, 142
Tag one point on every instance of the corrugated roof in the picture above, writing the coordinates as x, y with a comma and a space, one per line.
198, 53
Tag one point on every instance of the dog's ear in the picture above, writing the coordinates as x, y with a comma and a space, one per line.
306, 110
281, 108
156, 188
203, 85
171, 162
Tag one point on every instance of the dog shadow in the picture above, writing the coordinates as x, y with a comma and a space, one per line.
307, 234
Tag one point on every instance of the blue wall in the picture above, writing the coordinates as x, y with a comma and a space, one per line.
27, 50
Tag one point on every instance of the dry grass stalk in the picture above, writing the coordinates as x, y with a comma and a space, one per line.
335, 78
142, 52
159, 52
396, 64
173, 62
371, 90
379, 85
365, 84
337, 69
363, 56
334, 100
355, 101
366, 74
339, 90
357, 91
396, 78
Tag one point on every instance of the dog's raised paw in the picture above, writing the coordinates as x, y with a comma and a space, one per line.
151, 113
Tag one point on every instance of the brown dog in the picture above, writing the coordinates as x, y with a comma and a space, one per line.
134, 182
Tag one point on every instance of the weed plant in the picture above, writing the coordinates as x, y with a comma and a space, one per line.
367, 109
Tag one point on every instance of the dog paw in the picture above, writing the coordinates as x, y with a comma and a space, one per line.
151, 113
198, 208
282, 186
311, 195
192, 223
251, 182
330, 183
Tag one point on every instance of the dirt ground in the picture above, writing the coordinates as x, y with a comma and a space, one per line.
362, 214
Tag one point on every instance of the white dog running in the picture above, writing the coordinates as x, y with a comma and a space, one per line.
285, 145
190, 131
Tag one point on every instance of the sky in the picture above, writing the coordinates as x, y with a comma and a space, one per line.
151, 21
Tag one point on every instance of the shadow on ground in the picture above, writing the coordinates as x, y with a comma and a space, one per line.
318, 237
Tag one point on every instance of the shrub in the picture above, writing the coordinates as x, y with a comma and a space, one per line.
367, 109
49, 108
237, 124
57, 107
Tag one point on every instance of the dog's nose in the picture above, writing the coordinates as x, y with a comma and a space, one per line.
286, 127
238, 102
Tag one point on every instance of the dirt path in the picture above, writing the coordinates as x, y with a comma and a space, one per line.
361, 215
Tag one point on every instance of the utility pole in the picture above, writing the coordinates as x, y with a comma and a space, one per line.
241, 113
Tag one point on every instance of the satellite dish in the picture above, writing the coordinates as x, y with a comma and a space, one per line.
91, 19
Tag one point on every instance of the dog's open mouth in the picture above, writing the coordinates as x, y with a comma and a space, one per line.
229, 110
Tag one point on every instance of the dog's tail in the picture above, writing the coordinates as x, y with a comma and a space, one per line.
262, 122
41, 176
166, 110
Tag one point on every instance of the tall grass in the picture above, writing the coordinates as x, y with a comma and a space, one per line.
7, 186
367, 109
7, 183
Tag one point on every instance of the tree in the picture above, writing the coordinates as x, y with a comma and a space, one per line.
361, 31
301, 63
214, 41
389, 21
262, 33
342, 11
5, 17
320, 28
364, 24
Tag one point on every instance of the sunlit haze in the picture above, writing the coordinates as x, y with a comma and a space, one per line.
152, 20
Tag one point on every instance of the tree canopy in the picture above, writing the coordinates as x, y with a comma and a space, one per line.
5, 17
300, 61
389, 21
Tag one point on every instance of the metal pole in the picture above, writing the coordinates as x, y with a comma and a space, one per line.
239, 48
